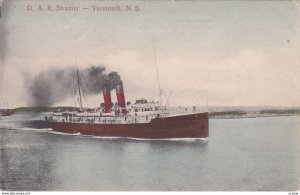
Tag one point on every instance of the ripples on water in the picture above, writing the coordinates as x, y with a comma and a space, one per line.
258, 154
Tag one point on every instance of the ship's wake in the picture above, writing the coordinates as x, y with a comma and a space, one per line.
170, 139
49, 130
130, 138
27, 129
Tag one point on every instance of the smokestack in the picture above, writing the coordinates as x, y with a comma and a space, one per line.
121, 97
107, 98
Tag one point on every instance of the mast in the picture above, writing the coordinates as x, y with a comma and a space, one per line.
79, 88
158, 82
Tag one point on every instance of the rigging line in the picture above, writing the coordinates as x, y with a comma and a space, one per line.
76, 99
157, 75
168, 98
86, 87
153, 90
75, 90
165, 94
196, 100
83, 88
79, 86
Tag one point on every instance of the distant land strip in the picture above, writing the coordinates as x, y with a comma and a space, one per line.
227, 114
254, 114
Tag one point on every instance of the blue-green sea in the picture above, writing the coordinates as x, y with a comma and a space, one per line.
249, 154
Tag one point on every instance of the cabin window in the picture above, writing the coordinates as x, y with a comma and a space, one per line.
135, 110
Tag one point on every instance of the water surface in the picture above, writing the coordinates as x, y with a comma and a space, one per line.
260, 154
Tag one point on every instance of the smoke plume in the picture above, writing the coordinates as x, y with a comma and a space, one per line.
56, 85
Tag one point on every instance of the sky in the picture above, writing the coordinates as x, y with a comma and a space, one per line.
221, 53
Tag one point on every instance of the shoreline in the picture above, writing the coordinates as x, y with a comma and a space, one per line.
220, 114
244, 117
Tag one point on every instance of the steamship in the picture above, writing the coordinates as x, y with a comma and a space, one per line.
142, 119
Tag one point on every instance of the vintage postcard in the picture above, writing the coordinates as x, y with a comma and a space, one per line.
140, 95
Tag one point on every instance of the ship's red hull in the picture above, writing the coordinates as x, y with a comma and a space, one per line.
184, 126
